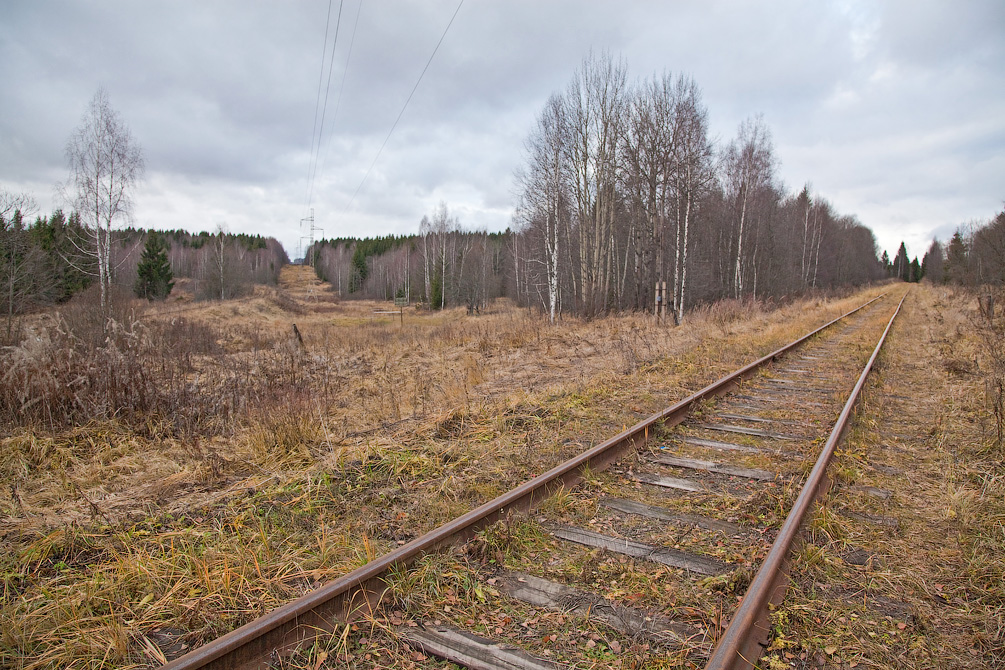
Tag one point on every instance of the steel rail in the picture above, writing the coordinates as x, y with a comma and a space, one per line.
282, 630
741, 643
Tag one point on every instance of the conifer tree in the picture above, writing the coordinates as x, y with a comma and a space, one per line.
902, 266
957, 267
887, 265
154, 279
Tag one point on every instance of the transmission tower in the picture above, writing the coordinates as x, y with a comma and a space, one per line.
311, 228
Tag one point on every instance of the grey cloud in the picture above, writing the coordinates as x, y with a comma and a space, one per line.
894, 111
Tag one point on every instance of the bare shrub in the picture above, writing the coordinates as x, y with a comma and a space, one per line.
77, 366
181, 337
285, 302
991, 358
56, 379
726, 312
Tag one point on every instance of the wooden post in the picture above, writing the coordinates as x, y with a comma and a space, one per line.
401, 303
660, 309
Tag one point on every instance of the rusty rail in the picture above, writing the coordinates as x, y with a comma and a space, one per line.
282, 630
742, 642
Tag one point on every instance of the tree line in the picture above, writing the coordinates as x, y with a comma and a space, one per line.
974, 255
48, 260
39, 263
623, 187
443, 266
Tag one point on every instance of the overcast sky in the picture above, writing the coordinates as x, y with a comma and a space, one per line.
893, 111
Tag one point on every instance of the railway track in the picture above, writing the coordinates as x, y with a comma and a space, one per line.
638, 551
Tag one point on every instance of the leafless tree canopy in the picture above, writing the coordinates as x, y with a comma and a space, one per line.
105, 165
973, 256
623, 188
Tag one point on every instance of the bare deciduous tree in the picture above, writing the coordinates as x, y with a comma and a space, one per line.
652, 133
596, 101
105, 165
11, 202
544, 209
694, 176
749, 170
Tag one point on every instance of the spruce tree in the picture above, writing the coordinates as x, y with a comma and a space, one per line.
153, 274
887, 265
902, 266
957, 268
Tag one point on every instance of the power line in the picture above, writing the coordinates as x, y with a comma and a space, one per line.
324, 108
317, 103
345, 73
409, 99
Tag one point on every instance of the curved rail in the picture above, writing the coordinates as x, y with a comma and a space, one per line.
285, 628
740, 644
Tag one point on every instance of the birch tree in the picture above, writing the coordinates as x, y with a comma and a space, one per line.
596, 102
694, 176
651, 136
749, 168
435, 240
544, 210
105, 165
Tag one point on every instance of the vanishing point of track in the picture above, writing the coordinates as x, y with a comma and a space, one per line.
817, 382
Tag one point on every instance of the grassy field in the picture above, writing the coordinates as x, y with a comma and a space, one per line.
189, 466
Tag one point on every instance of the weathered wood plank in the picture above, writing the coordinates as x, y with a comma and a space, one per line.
715, 444
887, 521
886, 469
743, 417
623, 618
664, 555
768, 397
794, 386
747, 406
720, 468
743, 430
670, 483
653, 512
470, 650
875, 492
758, 419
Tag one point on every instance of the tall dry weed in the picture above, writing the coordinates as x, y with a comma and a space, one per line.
989, 327
725, 313
76, 366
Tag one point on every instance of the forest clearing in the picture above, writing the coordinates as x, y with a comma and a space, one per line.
540, 336
251, 468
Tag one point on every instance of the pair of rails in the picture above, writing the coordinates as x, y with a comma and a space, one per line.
319, 612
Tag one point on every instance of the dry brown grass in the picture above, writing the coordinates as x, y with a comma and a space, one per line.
215, 468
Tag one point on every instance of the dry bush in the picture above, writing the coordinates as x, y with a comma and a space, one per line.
726, 312
285, 302
55, 379
76, 367
990, 334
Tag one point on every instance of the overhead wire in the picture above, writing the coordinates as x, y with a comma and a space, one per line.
324, 108
317, 104
338, 100
403, 107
